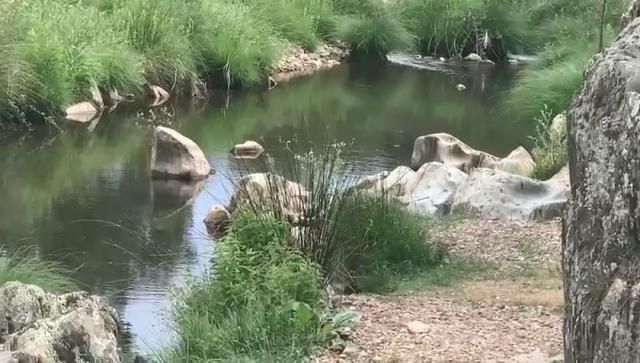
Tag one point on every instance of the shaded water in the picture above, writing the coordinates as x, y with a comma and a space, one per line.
86, 199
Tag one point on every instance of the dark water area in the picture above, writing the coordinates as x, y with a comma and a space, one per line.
85, 197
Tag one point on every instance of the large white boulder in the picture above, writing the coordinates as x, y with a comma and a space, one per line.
428, 191
449, 150
40, 327
175, 155
498, 194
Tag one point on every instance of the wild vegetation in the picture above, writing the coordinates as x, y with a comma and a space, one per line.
22, 266
265, 298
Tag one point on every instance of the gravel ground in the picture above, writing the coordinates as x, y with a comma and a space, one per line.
477, 321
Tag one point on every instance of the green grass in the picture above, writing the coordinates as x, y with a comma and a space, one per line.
23, 267
381, 240
262, 302
449, 274
550, 152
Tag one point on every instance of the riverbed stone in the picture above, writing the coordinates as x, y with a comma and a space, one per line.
428, 191
449, 150
498, 194
247, 150
270, 194
174, 155
42, 327
473, 57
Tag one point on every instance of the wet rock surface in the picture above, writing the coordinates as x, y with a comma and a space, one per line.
297, 62
174, 155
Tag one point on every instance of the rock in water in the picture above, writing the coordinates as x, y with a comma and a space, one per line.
272, 194
247, 150
217, 220
449, 150
177, 156
473, 57
42, 327
601, 248
498, 194
82, 112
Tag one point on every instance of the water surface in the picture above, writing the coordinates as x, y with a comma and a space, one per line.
85, 197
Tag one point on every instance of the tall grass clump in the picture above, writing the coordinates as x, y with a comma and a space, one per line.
371, 27
20, 265
354, 236
568, 33
550, 152
159, 30
458, 27
235, 46
263, 300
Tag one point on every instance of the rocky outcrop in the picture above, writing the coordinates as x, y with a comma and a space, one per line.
176, 156
247, 150
271, 194
36, 326
297, 62
428, 191
449, 150
498, 194
217, 220
601, 254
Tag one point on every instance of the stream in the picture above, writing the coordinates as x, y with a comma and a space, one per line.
85, 198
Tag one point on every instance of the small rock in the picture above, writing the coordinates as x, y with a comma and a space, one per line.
417, 327
175, 155
473, 57
461, 87
217, 220
247, 150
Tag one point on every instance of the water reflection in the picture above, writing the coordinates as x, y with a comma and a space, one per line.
86, 198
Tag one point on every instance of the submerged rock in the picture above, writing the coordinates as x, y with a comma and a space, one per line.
40, 327
175, 155
429, 191
450, 150
498, 194
272, 194
247, 150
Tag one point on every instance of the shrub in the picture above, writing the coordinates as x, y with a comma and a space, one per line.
262, 300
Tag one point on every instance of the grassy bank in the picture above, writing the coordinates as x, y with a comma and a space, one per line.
52, 53
265, 298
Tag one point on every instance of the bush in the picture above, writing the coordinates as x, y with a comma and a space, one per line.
21, 266
263, 301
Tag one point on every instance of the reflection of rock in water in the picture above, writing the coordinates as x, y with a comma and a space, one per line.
171, 196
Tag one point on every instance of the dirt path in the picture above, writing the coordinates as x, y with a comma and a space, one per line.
510, 314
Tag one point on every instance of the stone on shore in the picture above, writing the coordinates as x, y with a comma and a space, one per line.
429, 191
82, 112
37, 326
176, 156
498, 194
449, 150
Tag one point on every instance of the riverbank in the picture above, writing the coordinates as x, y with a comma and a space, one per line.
508, 310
